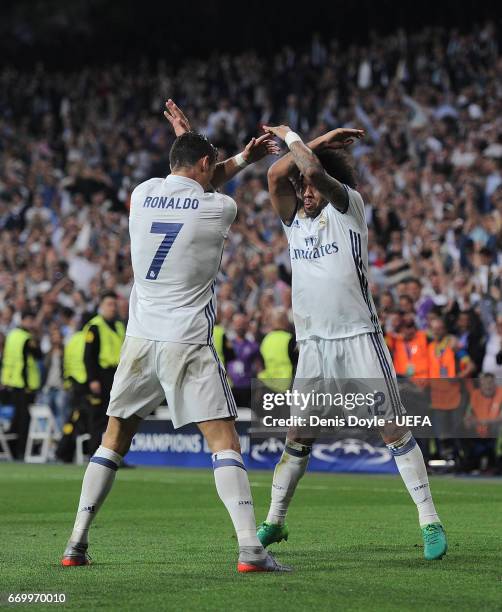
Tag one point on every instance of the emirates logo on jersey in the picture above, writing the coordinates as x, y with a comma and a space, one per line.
313, 251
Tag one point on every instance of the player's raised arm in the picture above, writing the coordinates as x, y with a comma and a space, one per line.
280, 187
303, 157
176, 118
256, 149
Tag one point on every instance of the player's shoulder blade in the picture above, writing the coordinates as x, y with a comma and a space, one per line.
229, 202
223, 202
216, 196
141, 191
353, 193
356, 205
231, 208
151, 183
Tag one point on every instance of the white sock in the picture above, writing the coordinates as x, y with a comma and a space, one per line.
98, 481
232, 484
287, 474
411, 466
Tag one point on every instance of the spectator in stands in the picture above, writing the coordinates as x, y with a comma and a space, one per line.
53, 388
471, 338
245, 363
21, 377
447, 364
105, 335
410, 350
410, 354
75, 380
484, 421
221, 343
278, 353
422, 303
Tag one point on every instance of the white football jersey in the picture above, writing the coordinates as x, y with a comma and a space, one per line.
329, 263
177, 236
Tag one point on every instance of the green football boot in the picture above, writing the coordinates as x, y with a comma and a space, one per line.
268, 533
435, 544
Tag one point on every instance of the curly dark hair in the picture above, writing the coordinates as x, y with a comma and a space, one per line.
338, 165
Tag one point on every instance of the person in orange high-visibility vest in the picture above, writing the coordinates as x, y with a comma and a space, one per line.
446, 361
410, 354
484, 420
447, 364
485, 406
410, 350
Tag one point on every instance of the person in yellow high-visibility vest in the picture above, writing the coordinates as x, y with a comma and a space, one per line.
104, 337
219, 341
278, 351
222, 344
21, 376
73, 361
75, 377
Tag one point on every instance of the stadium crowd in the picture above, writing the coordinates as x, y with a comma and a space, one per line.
73, 147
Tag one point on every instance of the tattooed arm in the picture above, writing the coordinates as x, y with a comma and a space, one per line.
302, 159
280, 186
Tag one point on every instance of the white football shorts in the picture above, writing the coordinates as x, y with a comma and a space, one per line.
360, 363
189, 376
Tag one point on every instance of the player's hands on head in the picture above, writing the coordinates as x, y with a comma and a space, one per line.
279, 130
341, 138
257, 148
176, 118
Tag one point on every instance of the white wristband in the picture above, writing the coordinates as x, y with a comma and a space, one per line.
292, 137
240, 161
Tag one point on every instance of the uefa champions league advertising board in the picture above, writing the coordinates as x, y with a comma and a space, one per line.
158, 443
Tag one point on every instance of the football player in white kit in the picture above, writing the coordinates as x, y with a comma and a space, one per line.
177, 230
337, 328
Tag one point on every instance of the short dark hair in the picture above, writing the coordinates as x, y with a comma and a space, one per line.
67, 312
338, 165
189, 148
85, 318
487, 375
107, 294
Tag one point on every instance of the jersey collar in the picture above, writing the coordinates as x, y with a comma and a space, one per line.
184, 180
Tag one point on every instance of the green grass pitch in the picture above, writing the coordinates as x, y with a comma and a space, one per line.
163, 541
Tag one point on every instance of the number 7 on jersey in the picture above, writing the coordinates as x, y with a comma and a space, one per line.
170, 231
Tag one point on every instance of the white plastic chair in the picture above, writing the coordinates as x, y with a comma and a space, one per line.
80, 457
5, 454
42, 434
